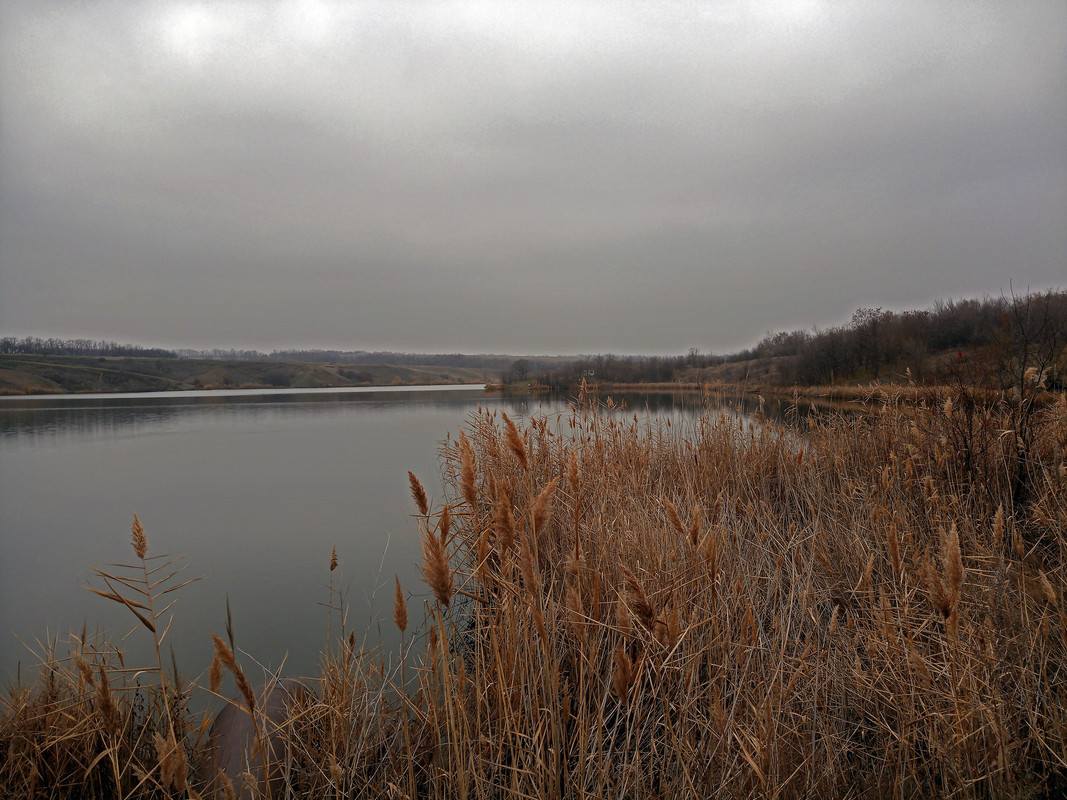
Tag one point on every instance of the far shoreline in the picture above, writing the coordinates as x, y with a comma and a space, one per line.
249, 391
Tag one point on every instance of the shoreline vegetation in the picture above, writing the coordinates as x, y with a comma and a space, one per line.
986, 342
869, 605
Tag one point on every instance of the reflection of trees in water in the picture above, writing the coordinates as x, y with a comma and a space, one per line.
682, 404
48, 417
43, 417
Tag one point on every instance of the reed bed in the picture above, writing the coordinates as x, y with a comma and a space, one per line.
853, 606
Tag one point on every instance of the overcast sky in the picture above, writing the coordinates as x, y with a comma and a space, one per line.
534, 177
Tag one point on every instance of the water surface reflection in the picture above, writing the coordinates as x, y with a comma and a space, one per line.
252, 490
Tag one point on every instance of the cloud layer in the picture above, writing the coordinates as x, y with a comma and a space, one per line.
520, 177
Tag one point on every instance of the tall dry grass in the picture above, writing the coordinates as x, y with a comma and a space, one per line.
92, 725
859, 606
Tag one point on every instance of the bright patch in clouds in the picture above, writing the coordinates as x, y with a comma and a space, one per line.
193, 32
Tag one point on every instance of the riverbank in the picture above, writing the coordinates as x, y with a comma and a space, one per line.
35, 374
854, 396
870, 607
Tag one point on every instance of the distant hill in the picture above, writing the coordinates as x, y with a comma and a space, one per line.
989, 340
45, 374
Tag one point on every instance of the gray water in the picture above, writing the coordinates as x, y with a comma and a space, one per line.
249, 491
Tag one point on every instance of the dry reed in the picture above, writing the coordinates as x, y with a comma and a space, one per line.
855, 608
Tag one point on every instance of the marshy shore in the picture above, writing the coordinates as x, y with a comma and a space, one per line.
864, 606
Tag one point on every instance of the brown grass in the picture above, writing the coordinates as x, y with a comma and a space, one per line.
859, 608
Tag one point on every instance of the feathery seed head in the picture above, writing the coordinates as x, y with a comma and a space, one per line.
515, 441
436, 570
542, 508
953, 562
672, 515
695, 522
934, 588
622, 675
225, 656
400, 608
468, 471
573, 475
418, 494
504, 523
215, 674
140, 541
444, 525
106, 706
85, 671
639, 602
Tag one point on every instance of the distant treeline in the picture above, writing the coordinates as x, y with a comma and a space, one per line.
877, 342
1007, 333
493, 362
35, 346
385, 358
602, 369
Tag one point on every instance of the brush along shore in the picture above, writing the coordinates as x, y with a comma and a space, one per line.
867, 606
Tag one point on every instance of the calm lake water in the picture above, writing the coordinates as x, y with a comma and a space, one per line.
249, 491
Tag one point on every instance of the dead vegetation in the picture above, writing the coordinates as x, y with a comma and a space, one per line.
859, 606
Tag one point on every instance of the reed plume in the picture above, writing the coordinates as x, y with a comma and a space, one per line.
173, 766
84, 670
515, 442
215, 673
106, 705
528, 567
622, 616
418, 494
504, 523
638, 600
695, 524
622, 675
542, 508
140, 540
444, 525
468, 472
226, 659
674, 517
935, 589
436, 571
400, 608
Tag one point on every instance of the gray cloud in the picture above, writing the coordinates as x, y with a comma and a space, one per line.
526, 177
